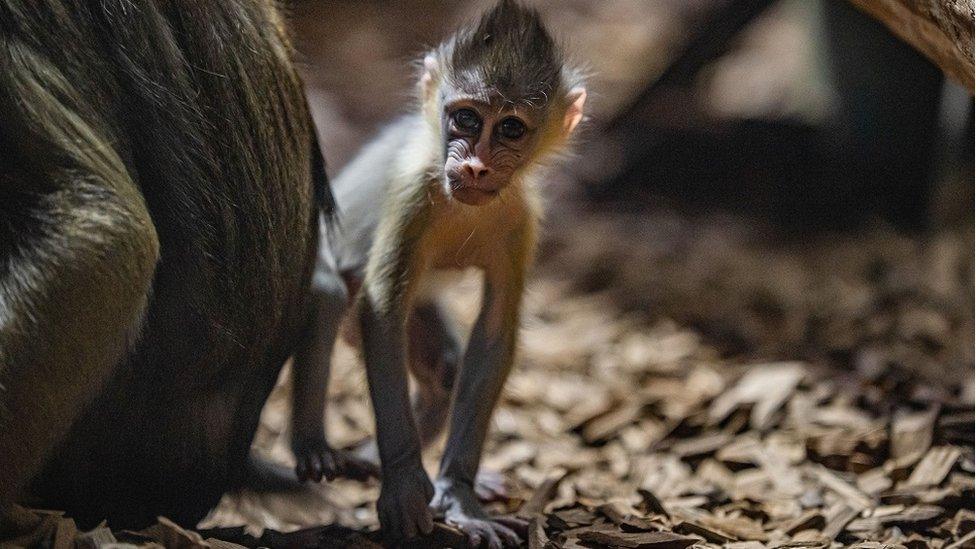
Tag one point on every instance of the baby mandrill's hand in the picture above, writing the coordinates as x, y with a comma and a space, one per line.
402, 505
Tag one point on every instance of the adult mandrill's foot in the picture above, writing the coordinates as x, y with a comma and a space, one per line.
315, 459
402, 505
459, 503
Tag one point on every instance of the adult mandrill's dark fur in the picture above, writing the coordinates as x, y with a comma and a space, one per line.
157, 234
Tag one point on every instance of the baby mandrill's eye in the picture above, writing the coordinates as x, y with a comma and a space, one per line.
467, 120
511, 128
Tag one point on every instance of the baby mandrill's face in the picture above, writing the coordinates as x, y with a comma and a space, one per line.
485, 147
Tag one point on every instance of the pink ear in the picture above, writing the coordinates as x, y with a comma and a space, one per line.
574, 113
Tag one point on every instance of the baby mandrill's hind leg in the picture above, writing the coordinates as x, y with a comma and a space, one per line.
434, 353
434, 356
314, 457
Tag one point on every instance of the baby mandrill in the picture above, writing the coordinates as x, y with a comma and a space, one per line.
449, 186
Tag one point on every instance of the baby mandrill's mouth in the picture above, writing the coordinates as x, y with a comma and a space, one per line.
473, 196
469, 194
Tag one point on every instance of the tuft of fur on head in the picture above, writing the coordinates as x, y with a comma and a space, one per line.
507, 50
510, 52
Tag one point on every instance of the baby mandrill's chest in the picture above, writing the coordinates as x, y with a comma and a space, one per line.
462, 236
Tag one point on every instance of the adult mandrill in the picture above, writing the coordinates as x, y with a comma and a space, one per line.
158, 228
448, 187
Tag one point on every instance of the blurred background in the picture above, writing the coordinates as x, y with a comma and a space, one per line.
799, 184
772, 191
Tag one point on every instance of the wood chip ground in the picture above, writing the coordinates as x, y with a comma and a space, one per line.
617, 431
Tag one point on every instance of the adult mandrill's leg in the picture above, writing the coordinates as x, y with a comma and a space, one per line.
77, 255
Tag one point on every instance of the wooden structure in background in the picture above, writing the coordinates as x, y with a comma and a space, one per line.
940, 29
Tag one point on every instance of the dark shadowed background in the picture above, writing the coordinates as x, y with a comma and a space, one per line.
806, 194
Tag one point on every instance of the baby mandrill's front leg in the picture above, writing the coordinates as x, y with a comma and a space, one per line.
405, 489
486, 364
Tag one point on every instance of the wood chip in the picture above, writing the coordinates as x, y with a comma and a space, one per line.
965, 541
622, 514
911, 517
854, 497
700, 446
542, 495
710, 533
837, 519
806, 521
874, 481
565, 519
933, 468
638, 540
911, 435
767, 387
607, 425
94, 539
650, 503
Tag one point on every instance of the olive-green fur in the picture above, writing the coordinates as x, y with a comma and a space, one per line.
157, 234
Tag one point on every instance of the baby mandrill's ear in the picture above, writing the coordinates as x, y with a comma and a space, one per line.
428, 80
576, 98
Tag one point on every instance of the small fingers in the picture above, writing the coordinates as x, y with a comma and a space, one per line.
489, 533
406, 522
330, 467
515, 524
315, 462
301, 470
331, 464
308, 468
369, 468
419, 525
508, 536
494, 542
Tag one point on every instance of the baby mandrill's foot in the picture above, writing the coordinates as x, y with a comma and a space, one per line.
459, 503
315, 459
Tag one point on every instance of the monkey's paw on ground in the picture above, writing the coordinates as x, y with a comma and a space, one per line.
402, 505
316, 459
459, 504
490, 486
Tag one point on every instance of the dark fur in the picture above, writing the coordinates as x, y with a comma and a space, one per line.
508, 50
157, 233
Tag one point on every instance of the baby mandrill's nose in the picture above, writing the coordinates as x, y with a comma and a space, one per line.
475, 168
